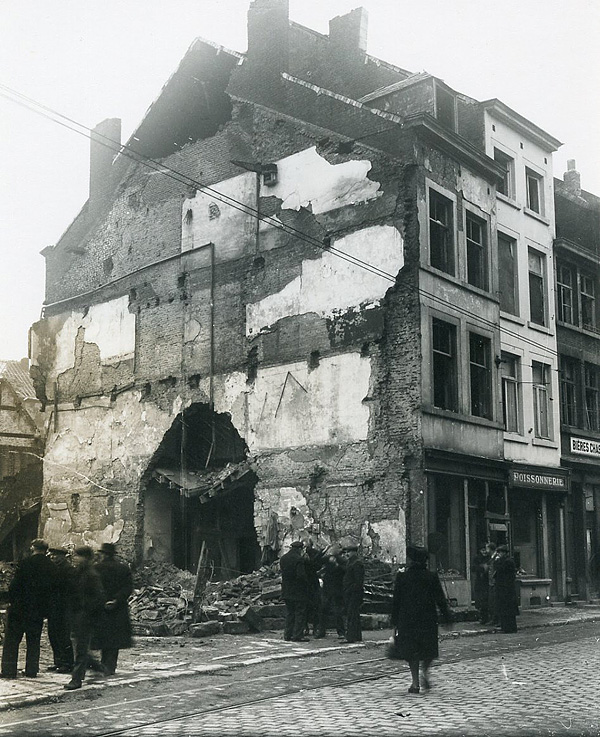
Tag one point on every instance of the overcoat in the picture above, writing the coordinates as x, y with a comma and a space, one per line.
417, 597
114, 625
30, 592
294, 577
506, 594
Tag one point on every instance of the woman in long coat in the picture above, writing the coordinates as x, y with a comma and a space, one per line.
417, 597
506, 594
114, 628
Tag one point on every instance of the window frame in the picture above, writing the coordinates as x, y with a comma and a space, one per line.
512, 382
534, 203
508, 163
448, 228
449, 367
587, 298
480, 392
563, 289
501, 236
542, 280
569, 390
478, 249
542, 394
592, 392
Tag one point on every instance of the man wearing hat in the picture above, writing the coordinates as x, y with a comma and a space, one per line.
87, 603
353, 588
294, 591
29, 596
114, 628
59, 627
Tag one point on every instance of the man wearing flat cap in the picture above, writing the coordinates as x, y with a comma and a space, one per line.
29, 596
114, 628
294, 591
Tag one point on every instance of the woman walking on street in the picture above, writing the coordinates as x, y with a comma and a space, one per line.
505, 572
417, 597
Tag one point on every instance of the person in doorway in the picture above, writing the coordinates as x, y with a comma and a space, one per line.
59, 627
353, 590
29, 595
418, 596
480, 571
86, 606
492, 613
505, 572
332, 602
294, 591
114, 627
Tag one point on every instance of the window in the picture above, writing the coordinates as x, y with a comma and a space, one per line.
569, 373
507, 268
564, 294
481, 375
537, 287
592, 393
535, 191
587, 293
441, 233
508, 164
445, 107
448, 510
445, 395
511, 393
541, 399
477, 270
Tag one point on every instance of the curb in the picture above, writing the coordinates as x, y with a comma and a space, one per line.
96, 685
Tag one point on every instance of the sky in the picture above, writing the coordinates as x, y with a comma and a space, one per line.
96, 59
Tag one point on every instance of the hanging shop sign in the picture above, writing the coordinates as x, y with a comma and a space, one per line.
535, 478
585, 447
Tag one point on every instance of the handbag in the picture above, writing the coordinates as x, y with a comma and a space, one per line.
392, 648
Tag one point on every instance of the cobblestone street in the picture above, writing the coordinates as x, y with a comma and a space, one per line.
542, 682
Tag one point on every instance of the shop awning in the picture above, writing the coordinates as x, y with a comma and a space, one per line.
205, 484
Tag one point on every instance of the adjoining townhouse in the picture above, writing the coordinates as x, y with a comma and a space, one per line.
577, 267
312, 330
21, 448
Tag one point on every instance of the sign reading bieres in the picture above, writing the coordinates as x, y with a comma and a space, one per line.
539, 480
585, 447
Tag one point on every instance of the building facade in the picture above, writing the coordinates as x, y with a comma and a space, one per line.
315, 299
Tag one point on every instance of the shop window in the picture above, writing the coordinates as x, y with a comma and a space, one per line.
569, 375
511, 392
535, 191
541, 399
587, 295
565, 297
480, 375
592, 397
507, 187
449, 524
445, 367
496, 500
507, 272
441, 232
537, 287
477, 256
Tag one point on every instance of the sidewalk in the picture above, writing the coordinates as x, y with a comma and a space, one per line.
158, 658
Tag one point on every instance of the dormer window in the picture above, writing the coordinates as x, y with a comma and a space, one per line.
445, 107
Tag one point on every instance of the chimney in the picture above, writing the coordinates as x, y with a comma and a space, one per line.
268, 35
104, 146
348, 33
572, 178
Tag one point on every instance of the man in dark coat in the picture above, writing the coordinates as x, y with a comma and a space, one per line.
332, 602
294, 591
353, 590
86, 606
480, 571
59, 626
505, 572
114, 628
29, 596
314, 561
417, 597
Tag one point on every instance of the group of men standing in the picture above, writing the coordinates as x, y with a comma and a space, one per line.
494, 574
322, 585
84, 602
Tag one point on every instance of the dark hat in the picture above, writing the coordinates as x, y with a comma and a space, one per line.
297, 544
84, 551
417, 553
58, 551
39, 545
108, 548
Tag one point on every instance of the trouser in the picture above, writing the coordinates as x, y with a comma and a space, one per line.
295, 621
332, 607
110, 655
353, 602
60, 638
18, 625
314, 608
81, 635
508, 622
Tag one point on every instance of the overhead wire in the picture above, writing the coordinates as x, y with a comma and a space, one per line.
139, 158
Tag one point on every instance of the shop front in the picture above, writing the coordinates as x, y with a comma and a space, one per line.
537, 499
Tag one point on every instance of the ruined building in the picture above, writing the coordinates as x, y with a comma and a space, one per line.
316, 300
